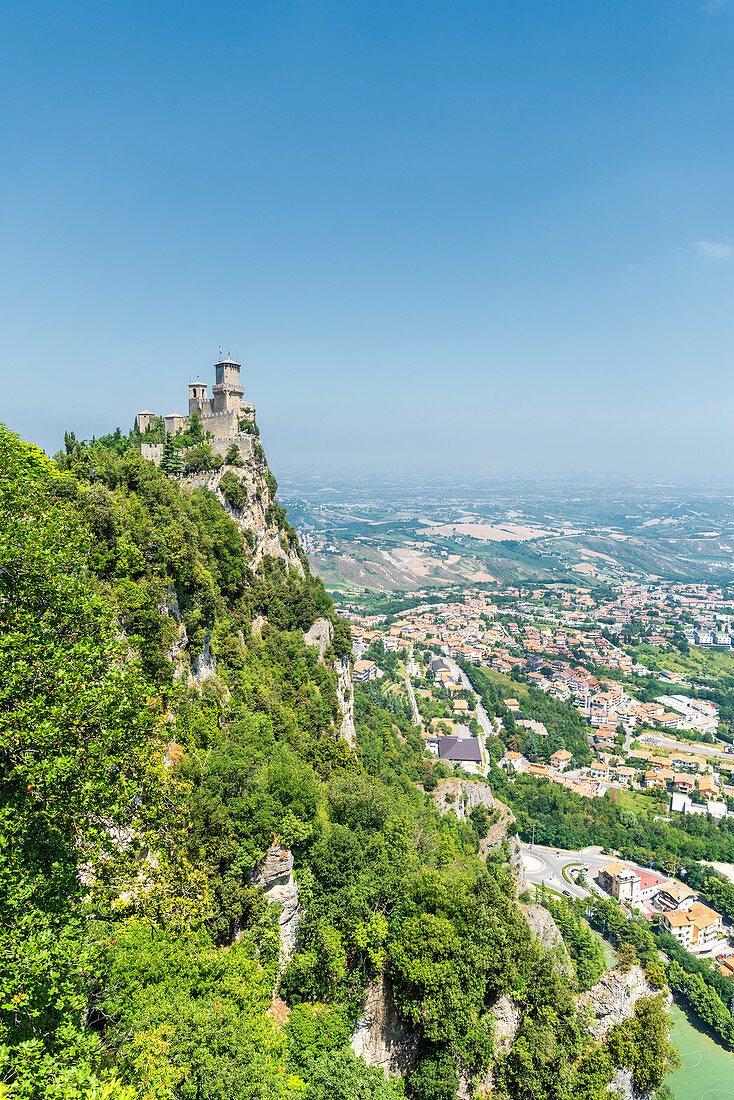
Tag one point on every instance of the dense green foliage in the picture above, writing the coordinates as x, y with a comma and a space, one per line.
585, 949
707, 990
714, 887
567, 729
75, 749
137, 794
564, 819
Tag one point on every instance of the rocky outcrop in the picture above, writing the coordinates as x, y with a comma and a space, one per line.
259, 526
345, 695
274, 875
321, 634
546, 932
516, 864
205, 665
622, 1087
613, 998
380, 1036
176, 650
507, 1017
460, 796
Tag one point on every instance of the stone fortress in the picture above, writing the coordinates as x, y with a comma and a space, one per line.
224, 416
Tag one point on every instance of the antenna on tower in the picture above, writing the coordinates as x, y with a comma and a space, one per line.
220, 353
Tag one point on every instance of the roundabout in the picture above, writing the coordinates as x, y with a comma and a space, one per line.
533, 864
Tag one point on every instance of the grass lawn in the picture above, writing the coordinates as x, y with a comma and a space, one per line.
708, 1069
637, 802
512, 689
699, 664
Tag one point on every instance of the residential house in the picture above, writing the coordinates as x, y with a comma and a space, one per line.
363, 671
696, 926
561, 759
515, 761
461, 750
621, 882
675, 895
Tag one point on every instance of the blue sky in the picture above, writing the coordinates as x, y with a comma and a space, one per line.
491, 237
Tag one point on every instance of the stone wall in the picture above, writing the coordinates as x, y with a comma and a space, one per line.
152, 452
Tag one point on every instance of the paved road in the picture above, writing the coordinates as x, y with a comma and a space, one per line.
697, 749
413, 704
546, 864
482, 718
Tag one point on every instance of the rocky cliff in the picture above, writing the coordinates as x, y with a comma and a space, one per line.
380, 1036
274, 874
257, 517
546, 932
321, 634
613, 998
460, 796
261, 523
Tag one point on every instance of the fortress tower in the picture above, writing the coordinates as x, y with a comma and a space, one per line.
198, 400
227, 389
224, 417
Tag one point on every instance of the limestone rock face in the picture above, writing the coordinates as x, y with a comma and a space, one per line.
613, 998
177, 648
380, 1036
321, 634
345, 695
460, 796
274, 874
546, 932
205, 665
516, 863
507, 1017
269, 538
622, 1085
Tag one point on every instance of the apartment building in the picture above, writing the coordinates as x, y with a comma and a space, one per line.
693, 927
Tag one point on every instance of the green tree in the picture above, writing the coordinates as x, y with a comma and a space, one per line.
340, 1075
233, 456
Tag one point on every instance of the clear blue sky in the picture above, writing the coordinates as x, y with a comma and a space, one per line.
491, 237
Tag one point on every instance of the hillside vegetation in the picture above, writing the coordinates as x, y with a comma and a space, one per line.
137, 795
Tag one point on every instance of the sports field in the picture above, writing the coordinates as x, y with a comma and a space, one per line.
707, 1070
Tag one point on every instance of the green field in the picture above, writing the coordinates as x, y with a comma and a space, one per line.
708, 1069
699, 664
